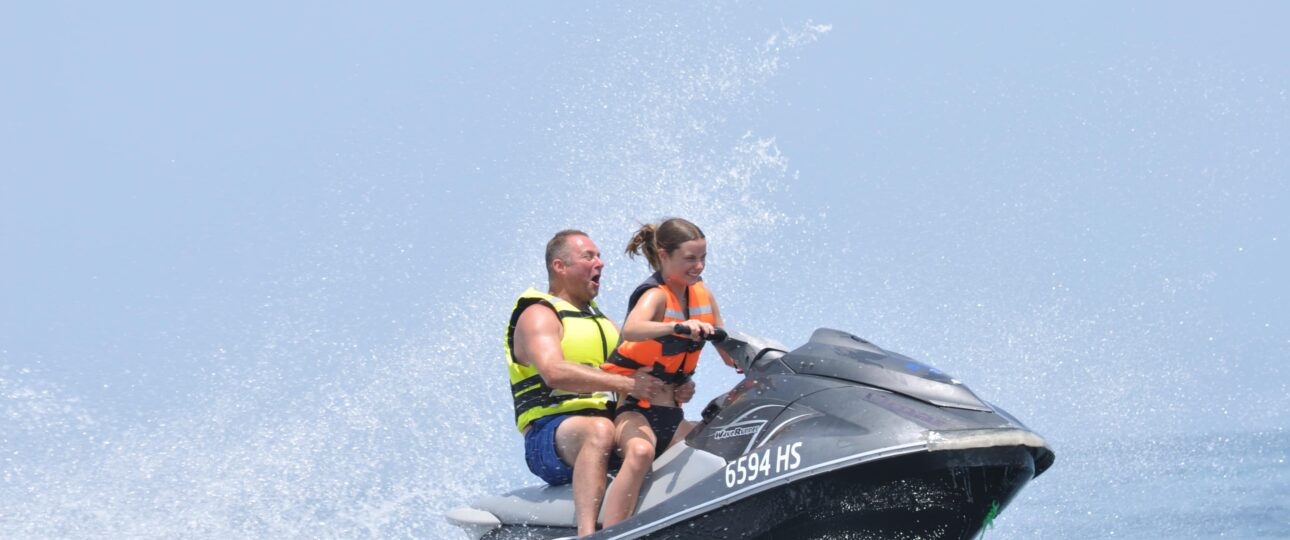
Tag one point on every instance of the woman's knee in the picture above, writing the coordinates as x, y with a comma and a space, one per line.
638, 450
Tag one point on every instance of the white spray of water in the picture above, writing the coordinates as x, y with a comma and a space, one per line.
306, 429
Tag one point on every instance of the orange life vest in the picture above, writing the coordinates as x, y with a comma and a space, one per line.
672, 357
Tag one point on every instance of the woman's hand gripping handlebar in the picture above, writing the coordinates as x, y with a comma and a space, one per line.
716, 336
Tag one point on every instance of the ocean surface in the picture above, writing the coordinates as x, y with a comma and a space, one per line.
1229, 485
258, 260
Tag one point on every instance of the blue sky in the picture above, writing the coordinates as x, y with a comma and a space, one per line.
1061, 205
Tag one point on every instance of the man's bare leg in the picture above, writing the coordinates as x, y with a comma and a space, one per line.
584, 443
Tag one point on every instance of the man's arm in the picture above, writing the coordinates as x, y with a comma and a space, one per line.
537, 343
685, 392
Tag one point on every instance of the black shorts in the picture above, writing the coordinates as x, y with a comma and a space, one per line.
663, 420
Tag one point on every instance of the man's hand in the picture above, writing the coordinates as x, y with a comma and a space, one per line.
644, 385
685, 392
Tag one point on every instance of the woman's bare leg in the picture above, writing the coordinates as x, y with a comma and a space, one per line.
681, 431
636, 446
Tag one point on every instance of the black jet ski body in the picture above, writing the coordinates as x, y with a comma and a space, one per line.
835, 439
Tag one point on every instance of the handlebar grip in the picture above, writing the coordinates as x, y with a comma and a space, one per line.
717, 336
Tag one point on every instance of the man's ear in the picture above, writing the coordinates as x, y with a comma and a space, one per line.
558, 265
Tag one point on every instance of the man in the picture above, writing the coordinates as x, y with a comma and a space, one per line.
555, 343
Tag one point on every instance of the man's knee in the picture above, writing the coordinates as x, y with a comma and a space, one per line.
599, 434
592, 433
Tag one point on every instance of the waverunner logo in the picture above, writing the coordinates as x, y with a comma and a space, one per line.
738, 431
743, 427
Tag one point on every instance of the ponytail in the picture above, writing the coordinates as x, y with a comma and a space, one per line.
642, 243
668, 235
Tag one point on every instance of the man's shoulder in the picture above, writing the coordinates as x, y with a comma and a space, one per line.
537, 315
532, 293
532, 297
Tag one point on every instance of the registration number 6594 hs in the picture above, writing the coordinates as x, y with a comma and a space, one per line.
768, 462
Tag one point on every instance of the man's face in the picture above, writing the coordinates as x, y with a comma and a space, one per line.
582, 269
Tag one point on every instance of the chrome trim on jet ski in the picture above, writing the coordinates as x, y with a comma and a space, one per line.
781, 425
961, 439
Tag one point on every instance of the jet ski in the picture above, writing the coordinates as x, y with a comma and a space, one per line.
837, 438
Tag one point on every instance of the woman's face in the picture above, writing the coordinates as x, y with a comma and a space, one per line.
686, 263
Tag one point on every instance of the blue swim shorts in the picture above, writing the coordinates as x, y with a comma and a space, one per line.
540, 452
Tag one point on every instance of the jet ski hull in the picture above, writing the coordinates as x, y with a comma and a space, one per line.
925, 495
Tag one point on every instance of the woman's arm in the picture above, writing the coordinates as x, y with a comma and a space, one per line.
716, 316
645, 321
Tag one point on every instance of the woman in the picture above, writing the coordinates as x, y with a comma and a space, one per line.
674, 297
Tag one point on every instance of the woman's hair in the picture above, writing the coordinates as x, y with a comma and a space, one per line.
666, 236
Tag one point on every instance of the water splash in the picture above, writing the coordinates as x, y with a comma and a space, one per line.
327, 414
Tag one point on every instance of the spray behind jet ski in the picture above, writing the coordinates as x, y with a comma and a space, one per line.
837, 438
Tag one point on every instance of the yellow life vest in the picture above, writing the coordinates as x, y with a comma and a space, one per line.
589, 337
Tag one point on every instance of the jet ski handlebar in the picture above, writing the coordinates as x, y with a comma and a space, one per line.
717, 336
746, 350
749, 351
